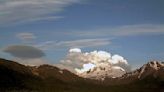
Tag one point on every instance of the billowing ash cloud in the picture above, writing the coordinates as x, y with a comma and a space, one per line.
95, 62
25, 52
28, 55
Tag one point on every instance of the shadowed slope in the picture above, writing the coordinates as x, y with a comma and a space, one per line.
46, 78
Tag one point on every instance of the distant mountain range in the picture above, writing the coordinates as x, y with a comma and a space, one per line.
15, 77
101, 72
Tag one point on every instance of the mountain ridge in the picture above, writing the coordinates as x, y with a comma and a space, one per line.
47, 77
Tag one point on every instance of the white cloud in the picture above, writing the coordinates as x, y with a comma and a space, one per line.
139, 29
18, 11
26, 36
89, 64
117, 67
86, 67
125, 30
75, 50
45, 18
118, 59
82, 43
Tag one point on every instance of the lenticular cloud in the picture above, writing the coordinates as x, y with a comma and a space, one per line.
96, 63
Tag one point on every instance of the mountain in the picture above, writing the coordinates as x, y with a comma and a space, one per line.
151, 70
103, 71
16, 77
47, 71
13, 74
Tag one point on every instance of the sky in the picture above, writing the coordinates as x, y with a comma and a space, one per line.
133, 29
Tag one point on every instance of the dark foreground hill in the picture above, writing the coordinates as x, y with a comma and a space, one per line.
15, 77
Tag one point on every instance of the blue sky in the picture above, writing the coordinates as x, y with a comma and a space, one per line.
131, 28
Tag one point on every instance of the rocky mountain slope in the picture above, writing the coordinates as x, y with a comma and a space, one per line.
151, 70
46, 78
16, 76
